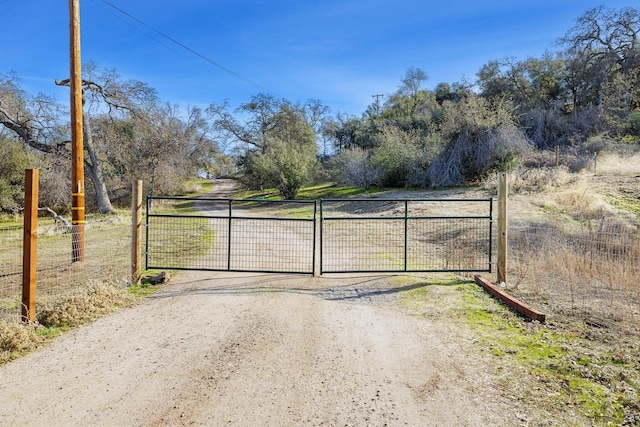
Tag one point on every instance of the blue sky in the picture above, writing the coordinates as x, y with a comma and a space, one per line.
338, 51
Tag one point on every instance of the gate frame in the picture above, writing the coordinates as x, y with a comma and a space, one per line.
406, 219
322, 217
229, 216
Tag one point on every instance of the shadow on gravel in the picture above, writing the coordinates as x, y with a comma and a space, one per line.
346, 294
369, 289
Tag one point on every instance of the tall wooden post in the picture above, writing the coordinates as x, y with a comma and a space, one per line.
77, 145
29, 245
503, 196
136, 231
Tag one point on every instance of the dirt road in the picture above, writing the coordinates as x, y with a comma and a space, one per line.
238, 349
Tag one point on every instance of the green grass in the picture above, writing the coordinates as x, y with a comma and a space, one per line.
333, 191
564, 368
143, 289
629, 204
554, 357
556, 211
197, 187
294, 210
320, 191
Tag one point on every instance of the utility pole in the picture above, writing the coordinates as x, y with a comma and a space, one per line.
377, 97
77, 146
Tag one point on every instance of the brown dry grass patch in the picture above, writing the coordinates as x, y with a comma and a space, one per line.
70, 310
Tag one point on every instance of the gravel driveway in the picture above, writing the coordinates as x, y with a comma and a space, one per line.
249, 349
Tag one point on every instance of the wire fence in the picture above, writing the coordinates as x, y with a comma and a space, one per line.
107, 258
587, 267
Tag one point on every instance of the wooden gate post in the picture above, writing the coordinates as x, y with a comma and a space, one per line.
503, 196
136, 231
29, 245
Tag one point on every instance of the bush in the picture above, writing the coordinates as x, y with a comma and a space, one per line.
475, 155
83, 306
17, 338
398, 156
482, 138
12, 164
631, 126
354, 167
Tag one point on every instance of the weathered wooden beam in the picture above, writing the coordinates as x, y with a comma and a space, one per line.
136, 231
29, 245
512, 302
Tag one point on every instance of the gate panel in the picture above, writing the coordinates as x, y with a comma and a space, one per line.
418, 235
362, 244
234, 235
187, 242
357, 235
448, 244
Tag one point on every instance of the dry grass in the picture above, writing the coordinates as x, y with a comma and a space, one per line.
70, 310
588, 269
17, 338
617, 164
107, 258
575, 242
84, 305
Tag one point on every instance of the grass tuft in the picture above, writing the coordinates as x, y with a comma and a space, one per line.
85, 305
17, 339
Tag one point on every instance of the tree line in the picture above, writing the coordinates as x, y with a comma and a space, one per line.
129, 134
578, 98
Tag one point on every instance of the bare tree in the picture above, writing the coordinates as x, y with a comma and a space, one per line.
602, 44
39, 121
105, 90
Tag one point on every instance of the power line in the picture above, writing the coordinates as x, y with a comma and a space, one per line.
188, 49
118, 16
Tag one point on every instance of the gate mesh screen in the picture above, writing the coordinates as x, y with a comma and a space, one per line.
381, 235
235, 235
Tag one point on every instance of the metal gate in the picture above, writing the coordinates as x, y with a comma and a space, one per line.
356, 235
232, 235
408, 235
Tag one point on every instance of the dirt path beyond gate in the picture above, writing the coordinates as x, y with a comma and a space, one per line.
240, 349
